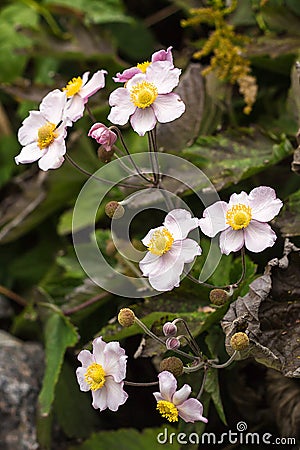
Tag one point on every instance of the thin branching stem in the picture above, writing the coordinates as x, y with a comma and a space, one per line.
203, 383
132, 383
138, 171
102, 180
225, 364
13, 296
161, 341
228, 286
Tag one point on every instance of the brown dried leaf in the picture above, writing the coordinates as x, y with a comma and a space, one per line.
181, 133
284, 397
270, 314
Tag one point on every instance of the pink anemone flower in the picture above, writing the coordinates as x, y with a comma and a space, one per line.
169, 249
243, 221
127, 74
147, 99
102, 373
173, 404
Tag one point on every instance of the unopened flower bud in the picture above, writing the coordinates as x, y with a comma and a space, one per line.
169, 329
103, 135
172, 343
239, 341
104, 155
218, 297
126, 317
173, 365
114, 210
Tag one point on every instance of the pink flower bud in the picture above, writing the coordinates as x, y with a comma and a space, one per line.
169, 329
103, 135
172, 343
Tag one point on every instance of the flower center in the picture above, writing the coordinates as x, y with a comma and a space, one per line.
73, 86
46, 135
143, 94
95, 376
239, 216
160, 242
143, 66
167, 410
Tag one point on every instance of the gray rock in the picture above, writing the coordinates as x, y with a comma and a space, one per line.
21, 372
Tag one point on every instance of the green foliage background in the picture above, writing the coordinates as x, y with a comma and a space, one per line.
43, 44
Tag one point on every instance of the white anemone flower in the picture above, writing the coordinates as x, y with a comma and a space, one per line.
169, 249
242, 221
147, 99
43, 133
172, 404
102, 373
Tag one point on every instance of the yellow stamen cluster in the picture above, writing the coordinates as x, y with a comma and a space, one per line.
95, 376
143, 94
143, 66
227, 48
73, 86
46, 135
239, 216
161, 242
168, 410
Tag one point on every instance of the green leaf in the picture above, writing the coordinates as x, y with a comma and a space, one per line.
73, 408
128, 439
59, 335
134, 40
8, 149
95, 11
212, 388
233, 156
12, 18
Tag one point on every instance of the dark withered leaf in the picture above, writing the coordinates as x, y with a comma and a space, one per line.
270, 314
289, 219
176, 135
283, 395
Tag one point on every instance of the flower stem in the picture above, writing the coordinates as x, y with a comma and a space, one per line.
226, 364
120, 136
13, 296
203, 383
85, 304
153, 157
161, 341
192, 341
132, 383
228, 286
102, 180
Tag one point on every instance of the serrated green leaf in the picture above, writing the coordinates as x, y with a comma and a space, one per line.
231, 157
60, 334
